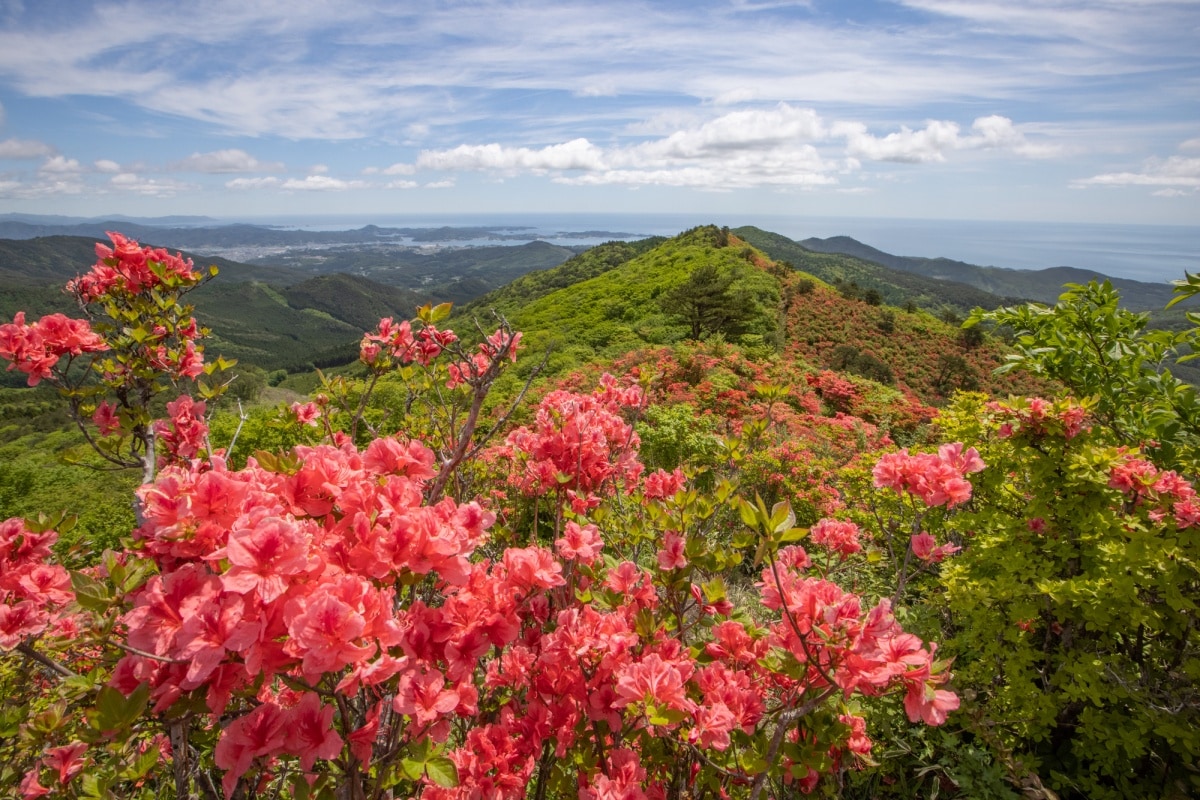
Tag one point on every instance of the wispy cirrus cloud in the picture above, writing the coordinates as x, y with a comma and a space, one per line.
253, 67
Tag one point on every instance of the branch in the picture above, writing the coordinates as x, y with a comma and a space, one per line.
26, 649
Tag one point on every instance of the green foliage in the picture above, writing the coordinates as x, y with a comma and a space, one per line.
539, 283
706, 303
1074, 607
674, 435
850, 359
43, 473
1097, 349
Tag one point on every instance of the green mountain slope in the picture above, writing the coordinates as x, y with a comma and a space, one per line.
352, 299
895, 286
54, 260
533, 285
619, 309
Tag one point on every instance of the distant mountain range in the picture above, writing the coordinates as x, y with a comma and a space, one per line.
1043, 285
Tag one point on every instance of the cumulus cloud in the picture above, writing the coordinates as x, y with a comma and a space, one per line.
1191, 145
937, 138
321, 183
398, 169
224, 161
783, 146
401, 184
24, 149
60, 165
106, 165
575, 154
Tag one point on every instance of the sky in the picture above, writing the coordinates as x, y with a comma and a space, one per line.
1049, 110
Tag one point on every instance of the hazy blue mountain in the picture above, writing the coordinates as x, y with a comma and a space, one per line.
1043, 285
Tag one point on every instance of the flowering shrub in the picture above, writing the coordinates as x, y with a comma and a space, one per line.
140, 340
334, 619
1071, 601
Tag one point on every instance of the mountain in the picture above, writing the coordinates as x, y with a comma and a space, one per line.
58, 259
455, 274
894, 286
1042, 285
353, 299
594, 261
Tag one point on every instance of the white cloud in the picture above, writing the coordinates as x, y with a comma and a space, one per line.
572, 155
784, 146
24, 149
318, 169
224, 161
1179, 172
321, 183
447, 184
106, 165
385, 69
60, 165
1191, 145
931, 143
399, 169
150, 187
242, 184
401, 184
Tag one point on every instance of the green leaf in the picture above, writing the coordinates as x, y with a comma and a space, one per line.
441, 770
413, 769
116, 712
90, 593
747, 512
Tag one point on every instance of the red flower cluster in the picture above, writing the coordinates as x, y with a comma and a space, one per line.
1166, 492
500, 345
185, 433
127, 268
396, 341
1035, 416
837, 537
826, 629
936, 478
31, 590
578, 444
36, 348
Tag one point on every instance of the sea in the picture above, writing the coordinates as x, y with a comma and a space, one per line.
1152, 253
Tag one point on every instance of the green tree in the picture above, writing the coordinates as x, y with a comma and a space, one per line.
708, 303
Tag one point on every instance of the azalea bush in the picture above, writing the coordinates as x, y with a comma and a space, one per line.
421, 598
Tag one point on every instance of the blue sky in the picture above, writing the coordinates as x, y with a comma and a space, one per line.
1056, 110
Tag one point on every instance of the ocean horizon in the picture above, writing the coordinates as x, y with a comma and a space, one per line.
1152, 253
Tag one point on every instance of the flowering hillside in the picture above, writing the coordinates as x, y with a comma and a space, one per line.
715, 566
